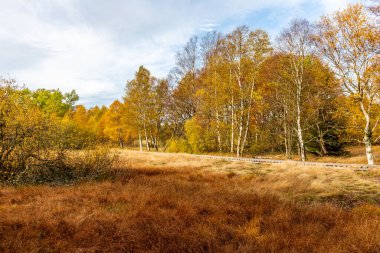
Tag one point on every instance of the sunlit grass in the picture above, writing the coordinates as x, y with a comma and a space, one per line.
177, 203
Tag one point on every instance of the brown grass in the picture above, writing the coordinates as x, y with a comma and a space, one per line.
164, 203
355, 155
289, 181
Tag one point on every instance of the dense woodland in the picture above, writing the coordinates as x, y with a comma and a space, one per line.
313, 89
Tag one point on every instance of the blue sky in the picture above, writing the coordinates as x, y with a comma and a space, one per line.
95, 46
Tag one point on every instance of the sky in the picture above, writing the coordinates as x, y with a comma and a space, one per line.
95, 46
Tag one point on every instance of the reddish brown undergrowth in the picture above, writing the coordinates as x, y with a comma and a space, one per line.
153, 210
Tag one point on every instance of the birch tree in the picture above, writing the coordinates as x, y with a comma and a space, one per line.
295, 41
185, 76
246, 51
140, 101
160, 110
349, 40
214, 98
280, 94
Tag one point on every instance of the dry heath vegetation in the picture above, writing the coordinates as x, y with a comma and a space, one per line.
150, 202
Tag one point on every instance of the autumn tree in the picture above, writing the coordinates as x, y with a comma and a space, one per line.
146, 102
211, 94
278, 100
244, 51
224, 87
77, 132
115, 126
13, 116
323, 123
159, 116
295, 42
96, 121
54, 101
184, 79
349, 40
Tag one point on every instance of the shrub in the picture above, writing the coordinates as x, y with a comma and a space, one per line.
63, 168
93, 164
34, 147
178, 146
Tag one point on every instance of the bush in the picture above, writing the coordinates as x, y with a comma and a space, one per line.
76, 137
93, 164
178, 146
66, 168
35, 147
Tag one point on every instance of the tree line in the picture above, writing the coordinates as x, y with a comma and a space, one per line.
314, 90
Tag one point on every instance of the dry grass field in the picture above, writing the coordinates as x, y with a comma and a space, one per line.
355, 154
151, 202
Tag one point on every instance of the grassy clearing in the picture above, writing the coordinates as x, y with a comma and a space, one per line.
355, 155
289, 181
170, 203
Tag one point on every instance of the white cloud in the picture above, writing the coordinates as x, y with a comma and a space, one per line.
94, 46
333, 5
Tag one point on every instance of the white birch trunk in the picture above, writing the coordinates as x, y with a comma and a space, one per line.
241, 115
219, 138
240, 130
232, 115
218, 132
286, 139
299, 126
232, 125
146, 138
140, 142
287, 131
367, 136
248, 118
156, 144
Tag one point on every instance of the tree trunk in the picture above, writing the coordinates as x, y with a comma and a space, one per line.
219, 137
156, 142
290, 126
248, 118
232, 115
232, 125
368, 149
140, 142
367, 136
322, 143
218, 132
286, 140
121, 142
240, 136
287, 132
153, 141
299, 126
146, 139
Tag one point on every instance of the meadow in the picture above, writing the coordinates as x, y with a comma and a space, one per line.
301, 91
155, 202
